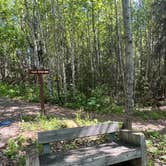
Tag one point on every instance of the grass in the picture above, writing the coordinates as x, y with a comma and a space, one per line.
97, 101
16, 147
156, 147
15, 150
150, 115
39, 123
155, 141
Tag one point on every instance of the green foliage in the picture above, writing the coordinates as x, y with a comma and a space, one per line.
29, 93
14, 145
27, 118
143, 92
78, 102
40, 123
98, 101
15, 148
153, 115
94, 58
85, 121
156, 147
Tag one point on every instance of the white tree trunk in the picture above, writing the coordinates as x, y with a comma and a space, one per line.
129, 57
119, 50
73, 52
47, 53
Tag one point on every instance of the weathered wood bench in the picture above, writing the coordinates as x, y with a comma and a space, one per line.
130, 147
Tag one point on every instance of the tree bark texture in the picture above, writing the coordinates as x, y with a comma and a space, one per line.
129, 59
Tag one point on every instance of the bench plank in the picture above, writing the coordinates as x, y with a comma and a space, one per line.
104, 154
77, 132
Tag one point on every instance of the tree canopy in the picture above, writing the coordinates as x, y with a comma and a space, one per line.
82, 43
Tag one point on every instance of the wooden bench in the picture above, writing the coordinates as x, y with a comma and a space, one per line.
130, 147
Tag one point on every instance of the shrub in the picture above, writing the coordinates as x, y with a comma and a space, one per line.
147, 115
14, 146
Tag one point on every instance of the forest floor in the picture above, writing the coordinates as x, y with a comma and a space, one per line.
14, 110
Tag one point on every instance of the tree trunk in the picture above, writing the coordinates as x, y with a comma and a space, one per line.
47, 52
56, 54
129, 62
73, 51
95, 52
119, 49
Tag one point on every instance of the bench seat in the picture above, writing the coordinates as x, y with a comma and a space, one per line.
100, 155
131, 147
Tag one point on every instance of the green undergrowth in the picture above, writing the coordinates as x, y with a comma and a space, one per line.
16, 147
15, 150
37, 123
150, 115
24, 92
98, 100
156, 147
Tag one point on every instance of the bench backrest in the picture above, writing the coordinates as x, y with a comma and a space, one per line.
77, 132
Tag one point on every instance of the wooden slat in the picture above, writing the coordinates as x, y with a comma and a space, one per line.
137, 139
101, 155
77, 132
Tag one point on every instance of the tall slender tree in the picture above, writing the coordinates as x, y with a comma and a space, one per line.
129, 62
73, 50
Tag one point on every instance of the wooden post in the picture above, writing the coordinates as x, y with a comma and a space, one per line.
40, 79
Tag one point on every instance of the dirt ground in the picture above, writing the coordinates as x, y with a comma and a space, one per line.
13, 110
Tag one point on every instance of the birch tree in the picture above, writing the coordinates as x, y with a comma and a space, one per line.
73, 50
129, 61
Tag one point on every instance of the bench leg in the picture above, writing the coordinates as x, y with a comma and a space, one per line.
32, 158
136, 162
137, 139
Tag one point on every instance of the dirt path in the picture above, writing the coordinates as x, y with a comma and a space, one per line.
13, 110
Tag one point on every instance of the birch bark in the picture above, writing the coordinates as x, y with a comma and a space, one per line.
129, 62
73, 50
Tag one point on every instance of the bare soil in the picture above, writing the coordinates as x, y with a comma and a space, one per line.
14, 110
